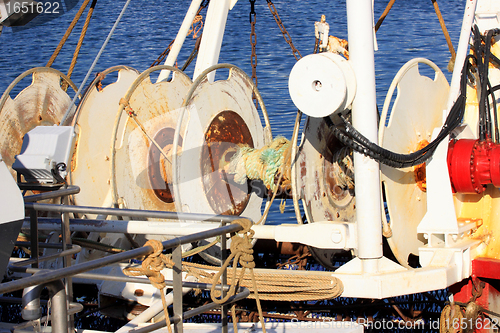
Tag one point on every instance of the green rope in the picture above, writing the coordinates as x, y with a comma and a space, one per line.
262, 164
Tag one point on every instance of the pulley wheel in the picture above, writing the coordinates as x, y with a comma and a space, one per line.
416, 112
218, 118
43, 103
325, 179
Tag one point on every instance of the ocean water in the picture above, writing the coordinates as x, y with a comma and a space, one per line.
410, 30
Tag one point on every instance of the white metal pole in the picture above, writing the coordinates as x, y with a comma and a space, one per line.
364, 118
463, 47
213, 33
180, 38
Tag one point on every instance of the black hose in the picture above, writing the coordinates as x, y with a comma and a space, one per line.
350, 137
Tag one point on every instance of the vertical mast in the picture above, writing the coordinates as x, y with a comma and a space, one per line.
181, 37
364, 118
213, 32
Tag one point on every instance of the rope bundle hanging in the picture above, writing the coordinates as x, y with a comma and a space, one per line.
262, 164
241, 253
151, 268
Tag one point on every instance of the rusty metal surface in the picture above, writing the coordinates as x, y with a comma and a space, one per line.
209, 102
41, 103
138, 161
160, 169
224, 133
324, 198
193, 175
90, 167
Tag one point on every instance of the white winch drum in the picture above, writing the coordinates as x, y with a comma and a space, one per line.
216, 118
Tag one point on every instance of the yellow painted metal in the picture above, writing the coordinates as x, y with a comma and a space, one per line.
484, 207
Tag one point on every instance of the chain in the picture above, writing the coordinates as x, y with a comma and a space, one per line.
253, 42
285, 33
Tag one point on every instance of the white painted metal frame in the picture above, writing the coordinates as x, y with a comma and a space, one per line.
364, 118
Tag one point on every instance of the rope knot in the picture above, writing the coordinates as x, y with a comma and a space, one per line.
151, 267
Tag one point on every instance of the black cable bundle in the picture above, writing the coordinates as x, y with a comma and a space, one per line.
349, 136
483, 56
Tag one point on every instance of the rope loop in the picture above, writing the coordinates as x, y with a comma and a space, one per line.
151, 267
242, 253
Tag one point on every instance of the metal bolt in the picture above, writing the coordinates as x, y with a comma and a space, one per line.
337, 236
139, 292
317, 85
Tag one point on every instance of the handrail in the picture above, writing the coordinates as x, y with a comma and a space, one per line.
242, 294
71, 189
48, 276
131, 212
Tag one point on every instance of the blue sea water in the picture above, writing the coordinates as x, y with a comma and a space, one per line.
410, 30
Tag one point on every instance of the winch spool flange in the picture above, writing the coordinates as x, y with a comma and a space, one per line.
215, 120
416, 112
42, 103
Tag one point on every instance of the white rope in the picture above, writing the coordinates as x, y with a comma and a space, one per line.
80, 89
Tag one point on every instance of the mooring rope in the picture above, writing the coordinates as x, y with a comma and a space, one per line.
67, 33
262, 164
82, 36
241, 253
278, 285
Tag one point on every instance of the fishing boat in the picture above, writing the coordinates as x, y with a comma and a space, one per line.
141, 172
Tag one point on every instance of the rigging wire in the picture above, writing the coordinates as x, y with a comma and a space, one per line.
70, 107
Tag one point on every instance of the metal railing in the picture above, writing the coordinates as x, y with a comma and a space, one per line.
47, 276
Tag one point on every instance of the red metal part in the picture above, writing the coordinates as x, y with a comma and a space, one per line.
483, 288
473, 164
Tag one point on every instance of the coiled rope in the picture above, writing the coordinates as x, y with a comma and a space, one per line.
262, 285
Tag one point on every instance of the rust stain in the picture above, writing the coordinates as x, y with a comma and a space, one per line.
419, 170
224, 134
159, 169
